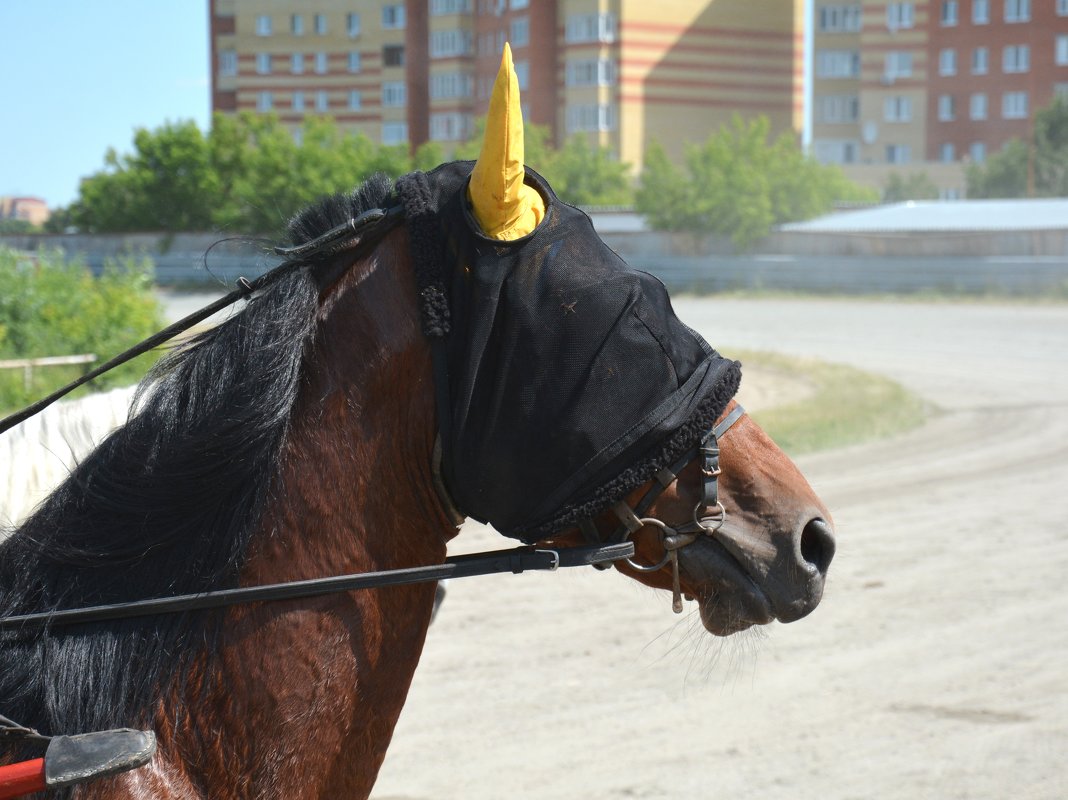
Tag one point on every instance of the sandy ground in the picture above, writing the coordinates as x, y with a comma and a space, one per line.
937, 666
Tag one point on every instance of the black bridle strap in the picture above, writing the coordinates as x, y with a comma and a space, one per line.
343, 237
708, 450
522, 559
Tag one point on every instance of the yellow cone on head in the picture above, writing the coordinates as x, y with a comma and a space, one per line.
504, 206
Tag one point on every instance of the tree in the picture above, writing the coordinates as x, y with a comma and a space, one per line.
1004, 174
914, 186
167, 184
1021, 169
738, 184
1051, 149
248, 174
586, 175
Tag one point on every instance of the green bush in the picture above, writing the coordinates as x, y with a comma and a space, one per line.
53, 307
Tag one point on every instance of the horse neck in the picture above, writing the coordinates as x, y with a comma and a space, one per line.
356, 490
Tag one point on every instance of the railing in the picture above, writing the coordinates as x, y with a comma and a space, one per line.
27, 364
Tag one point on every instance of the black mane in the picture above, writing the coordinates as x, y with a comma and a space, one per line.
167, 504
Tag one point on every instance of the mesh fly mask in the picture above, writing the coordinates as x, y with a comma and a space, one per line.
564, 378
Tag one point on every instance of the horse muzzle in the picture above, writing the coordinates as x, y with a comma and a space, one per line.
744, 580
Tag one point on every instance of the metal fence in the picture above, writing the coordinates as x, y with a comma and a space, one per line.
196, 260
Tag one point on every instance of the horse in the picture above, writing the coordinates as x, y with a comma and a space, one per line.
303, 437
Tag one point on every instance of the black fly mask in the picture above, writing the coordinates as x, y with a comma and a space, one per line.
564, 379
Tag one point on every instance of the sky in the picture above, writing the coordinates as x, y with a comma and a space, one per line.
83, 75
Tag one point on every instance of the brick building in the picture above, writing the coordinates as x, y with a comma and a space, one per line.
931, 83
622, 72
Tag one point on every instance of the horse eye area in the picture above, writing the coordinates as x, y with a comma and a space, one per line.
817, 544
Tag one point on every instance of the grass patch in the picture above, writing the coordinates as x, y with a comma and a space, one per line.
847, 406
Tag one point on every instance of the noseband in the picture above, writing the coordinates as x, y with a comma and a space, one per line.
708, 515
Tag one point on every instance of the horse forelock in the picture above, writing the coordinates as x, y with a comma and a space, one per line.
165, 505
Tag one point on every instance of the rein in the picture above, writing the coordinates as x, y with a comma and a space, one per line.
360, 234
516, 560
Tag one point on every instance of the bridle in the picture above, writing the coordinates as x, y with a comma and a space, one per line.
707, 517
359, 235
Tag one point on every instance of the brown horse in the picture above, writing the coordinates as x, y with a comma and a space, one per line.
299, 698
299, 440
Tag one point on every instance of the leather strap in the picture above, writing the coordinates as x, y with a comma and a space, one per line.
516, 560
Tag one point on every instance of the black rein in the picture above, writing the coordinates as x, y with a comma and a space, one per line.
357, 234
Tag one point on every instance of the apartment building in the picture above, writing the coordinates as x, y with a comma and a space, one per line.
900, 83
995, 62
624, 73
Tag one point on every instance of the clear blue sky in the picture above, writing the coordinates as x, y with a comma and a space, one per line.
83, 75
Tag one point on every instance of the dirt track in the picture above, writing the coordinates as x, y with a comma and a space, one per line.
937, 666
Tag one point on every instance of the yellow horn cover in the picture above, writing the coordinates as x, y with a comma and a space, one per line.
504, 206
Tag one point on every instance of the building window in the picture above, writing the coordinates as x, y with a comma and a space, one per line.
840, 19
520, 32
949, 12
322, 101
1017, 10
298, 137
447, 44
947, 108
355, 100
298, 101
591, 72
296, 25
320, 63
352, 25
947, 62
1062, 8
593, 117
980, 61
948, 152
590, 28
264, 101
451, 85
296, 63
393, 55
837, 108
1016, 58
227, 62
393, 17
897, 64
1060, 90
977, 151
897, 108
439, 8
522, 74
394, 133
1060, 54
394, 93
320, 24
450, 127
835, 152
977, 106
519, 4
898, 154
980, 12
263, 63
1014, 105
898, 16
354, 61
838, 64
263, 25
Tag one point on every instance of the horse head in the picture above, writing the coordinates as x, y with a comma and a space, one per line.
580, 403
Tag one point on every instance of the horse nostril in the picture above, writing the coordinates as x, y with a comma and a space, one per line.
817, 545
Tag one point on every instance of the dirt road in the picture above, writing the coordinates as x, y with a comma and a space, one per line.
937, 666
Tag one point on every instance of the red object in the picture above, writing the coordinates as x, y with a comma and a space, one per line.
22, 778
